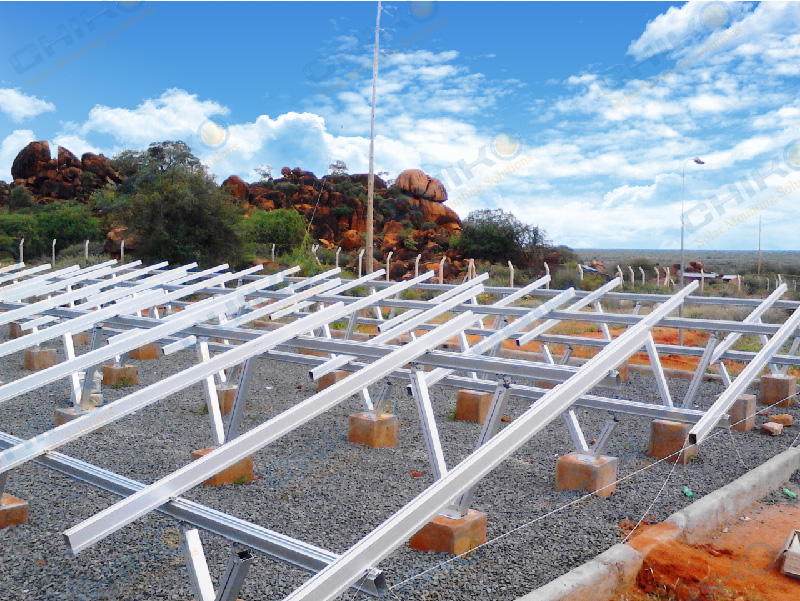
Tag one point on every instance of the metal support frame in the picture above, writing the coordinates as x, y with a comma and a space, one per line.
377, 545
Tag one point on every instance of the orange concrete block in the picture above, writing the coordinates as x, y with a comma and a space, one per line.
743, 413
623, 371
451, 536
40, 358
15, 330
81, 339
120, 375
473, 406
778, 389
377, 431
226, 395
331, 378
13, 511
148, 352
668, 438
238, 473
573, 473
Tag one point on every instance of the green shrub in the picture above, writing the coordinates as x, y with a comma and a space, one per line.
285, 228
499, 237
20, 198
428, 225
68, 222
342, 211
15, 226
287, 188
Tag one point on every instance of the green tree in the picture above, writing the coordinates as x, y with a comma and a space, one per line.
498, 236
179, 214
284, 228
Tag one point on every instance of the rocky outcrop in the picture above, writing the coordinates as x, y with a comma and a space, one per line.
64, 177
417, 184
236, 187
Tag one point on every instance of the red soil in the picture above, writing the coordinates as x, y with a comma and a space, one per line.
738, 565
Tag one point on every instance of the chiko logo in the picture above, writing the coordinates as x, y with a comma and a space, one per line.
701, 214
68, 33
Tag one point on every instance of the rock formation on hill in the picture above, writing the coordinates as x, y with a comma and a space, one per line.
64, 177
410, 216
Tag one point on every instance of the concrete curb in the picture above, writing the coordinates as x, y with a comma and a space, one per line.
602, 577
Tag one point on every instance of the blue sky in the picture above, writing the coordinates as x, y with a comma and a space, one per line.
577, 117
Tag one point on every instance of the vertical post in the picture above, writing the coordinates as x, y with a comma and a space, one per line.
580, 272
441, 271
702, 280
633, 276
547, 271
338, 250
416, 266
371, 181
21, 249
641, 270
621, 276
388, 261
658, 276
739, 283
360, 262
273, 252
510, 275
86, 250
122, 251
759, 245
54, 251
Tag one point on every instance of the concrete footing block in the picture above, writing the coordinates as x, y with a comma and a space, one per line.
148, 352
67, 414
447, 535
40, 358
226, 394
331, 378
573, 472
81, 338
120, 375
473, 406
668, 438
778, 390
374, 430
743, 413
239, 473
13, 511
15, 330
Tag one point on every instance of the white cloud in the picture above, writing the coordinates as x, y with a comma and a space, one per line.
19, 106
680, 27
176, 114
9, 149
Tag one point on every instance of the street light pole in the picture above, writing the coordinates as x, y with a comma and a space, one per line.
683, 219
697, 161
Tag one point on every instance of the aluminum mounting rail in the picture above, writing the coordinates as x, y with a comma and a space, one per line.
132, 508
721, 406
497, 338
25, 273
14, 267
131, 339
80, 293
465, 291
376, 546
278, 546
32, 288
580, 304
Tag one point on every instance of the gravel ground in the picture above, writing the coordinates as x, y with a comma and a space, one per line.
317, 487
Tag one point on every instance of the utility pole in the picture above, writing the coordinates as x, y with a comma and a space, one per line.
759, 245
371, 182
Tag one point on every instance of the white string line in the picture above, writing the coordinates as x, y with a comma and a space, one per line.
586, 496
